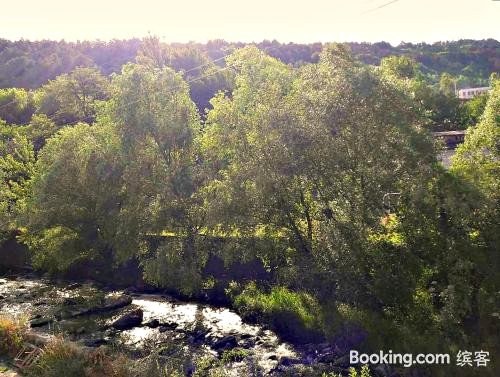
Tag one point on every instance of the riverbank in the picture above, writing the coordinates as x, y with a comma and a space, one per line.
140, 325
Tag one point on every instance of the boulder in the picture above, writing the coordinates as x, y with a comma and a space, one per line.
154, 323
327, 357
129, 320
116, 302
95, 342
69, 301
288, 361
73, 286
39, 322
111, 303
225, 343
38, 339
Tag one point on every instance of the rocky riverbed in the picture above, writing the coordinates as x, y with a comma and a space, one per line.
140, 323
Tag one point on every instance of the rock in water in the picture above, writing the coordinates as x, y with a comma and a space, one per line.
111, 303
129, 320
116, 302
225, 343
154, 323
41, 321
95, 342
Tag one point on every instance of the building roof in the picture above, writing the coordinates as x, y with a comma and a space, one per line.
450, 133
484, 88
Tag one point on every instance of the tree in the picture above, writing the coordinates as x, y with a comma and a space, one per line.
40, 128
472, 229
401, 67
17, 161
157, 134
478, 158
72, 213
472, 110
205, 77
447, 85
16, 106
73, 97
306, 157
439, 107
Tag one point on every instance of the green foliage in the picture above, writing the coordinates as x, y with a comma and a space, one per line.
291, 168
157, 136
473, 109
40, 129
74, 206
17, 162
31, 64
16, 105
193, 63
63, 358
477, 162
308, 155
235, 354
11, 336
59, 358
173, 268
401, 67
295, 315
478, 158
447, 85
363, 372
73, 97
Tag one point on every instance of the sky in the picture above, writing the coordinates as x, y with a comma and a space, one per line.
302, 21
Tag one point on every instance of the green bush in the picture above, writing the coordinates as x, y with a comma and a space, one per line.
59, 358
63, 358
11, 336
295, 316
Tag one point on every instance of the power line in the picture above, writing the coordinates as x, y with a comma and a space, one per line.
89, 117
380, 7
125, 105
207, 63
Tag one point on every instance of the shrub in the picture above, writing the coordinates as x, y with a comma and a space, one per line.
11, 336
295, 316
236, 354
63, 358
60, 358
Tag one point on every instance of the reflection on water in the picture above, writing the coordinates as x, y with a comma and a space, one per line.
186, 315
189, 327
155, 307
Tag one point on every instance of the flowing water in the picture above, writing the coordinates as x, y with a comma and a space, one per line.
169, 326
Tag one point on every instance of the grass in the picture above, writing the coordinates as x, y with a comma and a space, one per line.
296, 316
64, 358
363, 372
59, 358
11, 335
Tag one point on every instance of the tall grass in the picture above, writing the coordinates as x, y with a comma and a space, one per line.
11, 335
296, 316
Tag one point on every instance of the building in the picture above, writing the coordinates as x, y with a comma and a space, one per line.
450, 138
469, 93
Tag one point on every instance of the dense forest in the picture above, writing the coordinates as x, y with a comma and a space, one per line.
276, 156
26, 64
442, 68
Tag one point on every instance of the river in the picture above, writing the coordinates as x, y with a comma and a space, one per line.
87, 314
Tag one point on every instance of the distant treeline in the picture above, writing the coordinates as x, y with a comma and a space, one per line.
26, 64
